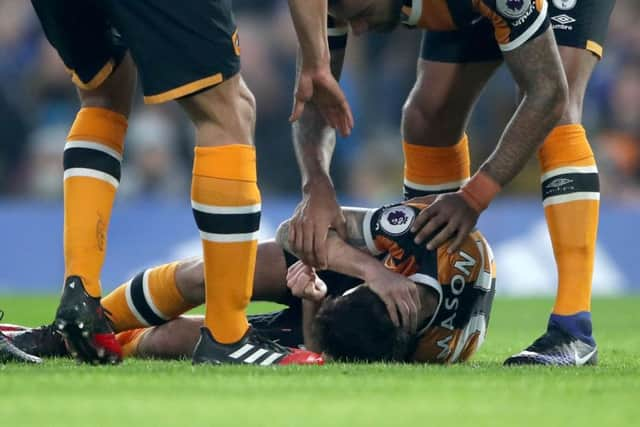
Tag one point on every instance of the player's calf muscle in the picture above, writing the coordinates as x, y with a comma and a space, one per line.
175, 339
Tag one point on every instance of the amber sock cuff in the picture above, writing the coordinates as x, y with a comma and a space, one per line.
435, 170
566, 144
99, 124
233, 162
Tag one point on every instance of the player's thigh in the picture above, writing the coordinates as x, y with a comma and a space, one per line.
580, 28
188, 51
81, 33
223, 114
453, 69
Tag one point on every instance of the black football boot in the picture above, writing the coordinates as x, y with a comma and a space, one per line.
252, 349
10, 353
82, 322
558, 347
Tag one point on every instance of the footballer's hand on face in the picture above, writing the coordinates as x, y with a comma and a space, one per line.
448, 217
400, 295
304, 283
317, 85
309, 227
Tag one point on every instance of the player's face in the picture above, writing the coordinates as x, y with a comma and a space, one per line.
368, 15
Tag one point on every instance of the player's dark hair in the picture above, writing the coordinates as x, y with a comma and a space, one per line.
357, 328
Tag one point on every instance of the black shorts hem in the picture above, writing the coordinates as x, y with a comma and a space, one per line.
185, 89
97, 79
588, 45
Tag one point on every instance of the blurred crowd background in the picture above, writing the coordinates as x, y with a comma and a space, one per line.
38, 103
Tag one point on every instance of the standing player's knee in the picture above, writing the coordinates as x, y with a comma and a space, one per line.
428, 122
573, 112
224, 114
116, 93
413, 122
247, 106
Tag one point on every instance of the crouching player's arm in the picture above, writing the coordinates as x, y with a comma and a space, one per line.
351, 257
537, 69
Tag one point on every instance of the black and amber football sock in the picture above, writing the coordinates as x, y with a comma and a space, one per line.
571, 199
226, 206
92, 158
435, 170
151, 298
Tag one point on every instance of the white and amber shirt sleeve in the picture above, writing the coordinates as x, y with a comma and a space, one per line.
514, 21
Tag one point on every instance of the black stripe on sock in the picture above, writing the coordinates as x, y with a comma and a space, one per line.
410, 193
337, 42
570, 183
141, 304
91, 159
227, 223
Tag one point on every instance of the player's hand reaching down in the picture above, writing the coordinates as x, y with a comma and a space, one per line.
317, 85
400, 295
304, 283
309, 227
449, 217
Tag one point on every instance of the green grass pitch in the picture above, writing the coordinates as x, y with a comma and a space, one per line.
480, 393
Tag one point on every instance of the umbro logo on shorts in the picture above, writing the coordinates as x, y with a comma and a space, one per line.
563, 19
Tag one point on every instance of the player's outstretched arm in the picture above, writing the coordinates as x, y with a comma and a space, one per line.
537, 69
314, 141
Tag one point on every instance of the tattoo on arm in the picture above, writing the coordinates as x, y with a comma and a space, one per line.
537, 69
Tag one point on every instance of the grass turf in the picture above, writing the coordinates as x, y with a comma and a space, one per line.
480, 393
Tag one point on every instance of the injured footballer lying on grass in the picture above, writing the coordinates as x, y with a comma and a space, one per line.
383, 299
